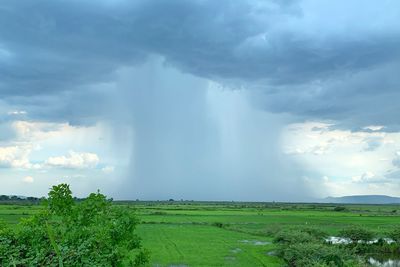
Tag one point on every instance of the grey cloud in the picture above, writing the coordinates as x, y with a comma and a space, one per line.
313, 70
7, 133
393, 175
396, 160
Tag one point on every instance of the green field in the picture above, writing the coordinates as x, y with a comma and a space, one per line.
232, 234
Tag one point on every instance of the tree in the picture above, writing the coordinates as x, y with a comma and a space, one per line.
4, 197
60, 201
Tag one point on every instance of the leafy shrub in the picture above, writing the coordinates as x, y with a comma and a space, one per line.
305, 247
356, 234
315, 232
92, 232
395, 234
314, 254
295, 236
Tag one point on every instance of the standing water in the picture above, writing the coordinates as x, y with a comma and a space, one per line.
385, 260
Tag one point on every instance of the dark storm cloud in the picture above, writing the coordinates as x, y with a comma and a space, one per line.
305, 58
58, 45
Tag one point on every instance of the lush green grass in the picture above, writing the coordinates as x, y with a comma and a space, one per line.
214, 234
13, 213
184, 234
202, 245
379, 219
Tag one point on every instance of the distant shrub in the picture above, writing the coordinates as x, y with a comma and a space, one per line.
292, 236
92, 232
312, 254
315, 232
340, 208
218, 224
305, 247
271, 230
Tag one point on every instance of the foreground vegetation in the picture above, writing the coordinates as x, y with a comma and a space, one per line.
63, 232
186, 233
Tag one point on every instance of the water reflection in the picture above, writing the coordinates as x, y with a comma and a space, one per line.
342, 240
385, 260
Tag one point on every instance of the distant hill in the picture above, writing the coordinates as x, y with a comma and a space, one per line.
363, 199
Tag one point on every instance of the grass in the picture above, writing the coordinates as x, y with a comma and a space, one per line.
215, 234
203, 245
183, 234
13, 213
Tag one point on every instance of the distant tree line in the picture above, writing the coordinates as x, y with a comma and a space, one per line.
17, 198
27, 200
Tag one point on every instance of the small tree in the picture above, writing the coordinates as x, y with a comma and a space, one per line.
60, 201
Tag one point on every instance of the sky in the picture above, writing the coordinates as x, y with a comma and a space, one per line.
247, 100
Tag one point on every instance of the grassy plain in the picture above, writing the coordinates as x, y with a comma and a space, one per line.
232, 234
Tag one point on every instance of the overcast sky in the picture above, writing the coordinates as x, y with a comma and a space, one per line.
204, 100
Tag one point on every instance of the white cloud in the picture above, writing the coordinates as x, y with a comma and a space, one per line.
32, 139
16, 157
108, 169
74, 160
17, 112
74, 176
28, 179
374, 127
320, 149
369, 177
343, 155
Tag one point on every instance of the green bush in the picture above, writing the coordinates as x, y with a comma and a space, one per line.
89, 233
315, 232
295, 236
314, 254
305, 247
395, 234
356, 234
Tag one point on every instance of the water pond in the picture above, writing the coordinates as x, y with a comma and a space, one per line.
385, 260
381, 260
